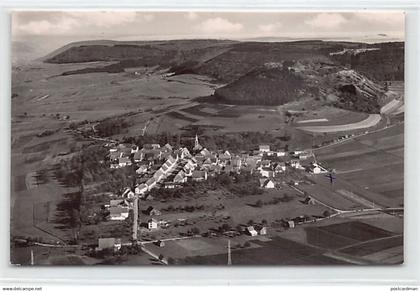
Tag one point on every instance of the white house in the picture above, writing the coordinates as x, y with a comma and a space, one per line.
152, 224
295, 164
251, 231
264, 148
267, 183
280, 168
263, 230
314, 168
134, 149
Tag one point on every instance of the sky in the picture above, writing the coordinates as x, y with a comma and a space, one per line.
62, 27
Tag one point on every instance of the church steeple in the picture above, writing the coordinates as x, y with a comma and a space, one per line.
197, 146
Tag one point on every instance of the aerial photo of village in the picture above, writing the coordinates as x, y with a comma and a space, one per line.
221, 148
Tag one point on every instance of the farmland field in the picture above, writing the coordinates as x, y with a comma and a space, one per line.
372, 163
273, 252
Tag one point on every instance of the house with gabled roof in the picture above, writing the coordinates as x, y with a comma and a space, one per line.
264, 148
141, 189
152, 211
236, 162
138, 156
251, 231
205, 153
265, 163
124, 161
180, 177
128, 193
151, 183
267, 172
167, 148
199, 176
280, 167
118, 212
152, 224
142, 169
267, 184
184, 153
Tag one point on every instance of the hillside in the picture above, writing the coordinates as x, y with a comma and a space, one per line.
379, 61
280, 83
270, 86
264, 73
227, 60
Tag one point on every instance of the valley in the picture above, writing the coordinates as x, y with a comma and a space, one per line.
306, 102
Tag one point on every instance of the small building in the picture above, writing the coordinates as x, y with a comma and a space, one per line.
116, 202
296, 164
114, 155
152, 224
263, 231
109, 243
151, 183
205, 153
236, 162
152, 211
291, 224
180, 177
267, 184
267, 172
124, 161
167, 148
153, 146
264, 148
314, 169
158, 175
304, 156
118, 212
171, 185
309, 201
265, 163
128, 193
251, 231
142, 169
141, 189
138, 156
280, 168
160, 243
134, 149
199, 176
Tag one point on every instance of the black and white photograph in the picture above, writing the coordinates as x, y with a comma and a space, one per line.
186, 138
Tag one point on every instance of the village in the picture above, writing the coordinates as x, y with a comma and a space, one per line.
164, 168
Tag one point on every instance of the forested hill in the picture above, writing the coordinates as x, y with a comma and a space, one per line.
228, 60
